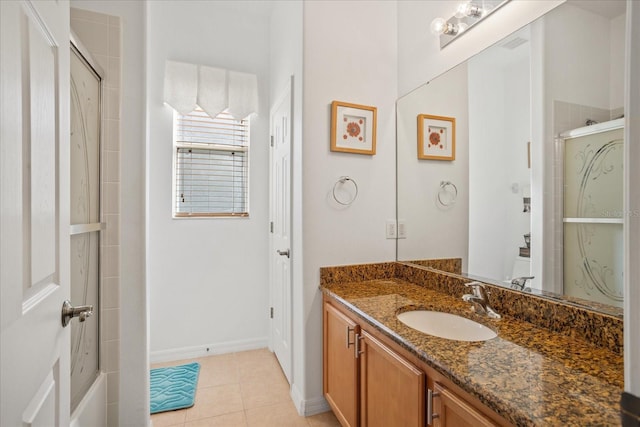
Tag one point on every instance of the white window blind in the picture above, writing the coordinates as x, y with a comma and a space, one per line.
211, 165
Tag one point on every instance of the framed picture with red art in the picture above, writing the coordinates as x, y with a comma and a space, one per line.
436, 137
353, 128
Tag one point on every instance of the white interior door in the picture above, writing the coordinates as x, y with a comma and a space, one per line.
34, 248
280, 247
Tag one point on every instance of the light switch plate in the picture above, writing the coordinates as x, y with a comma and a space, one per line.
391, 229
402, 229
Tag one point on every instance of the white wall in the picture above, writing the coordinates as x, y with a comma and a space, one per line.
517, 121
349, 55
616, 61
573, 37
286, 52
208, 278
285, 60
499, 128
419, 180
133, 393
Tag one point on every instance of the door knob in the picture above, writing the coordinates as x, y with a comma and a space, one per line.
284, 253
82, 312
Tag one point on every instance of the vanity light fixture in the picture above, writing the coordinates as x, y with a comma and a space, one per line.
467, 14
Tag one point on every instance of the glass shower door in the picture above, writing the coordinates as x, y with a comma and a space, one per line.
85, 222
593, 221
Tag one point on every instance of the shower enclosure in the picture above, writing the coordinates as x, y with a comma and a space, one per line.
593, 212
86, 85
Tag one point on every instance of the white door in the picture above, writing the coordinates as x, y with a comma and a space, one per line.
280, 247
34, 225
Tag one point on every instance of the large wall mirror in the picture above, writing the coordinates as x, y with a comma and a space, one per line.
535, 187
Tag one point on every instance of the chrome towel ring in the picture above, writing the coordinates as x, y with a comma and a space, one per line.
447, 193
342, 181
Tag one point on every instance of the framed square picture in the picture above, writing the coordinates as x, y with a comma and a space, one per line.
436, 137
353, 128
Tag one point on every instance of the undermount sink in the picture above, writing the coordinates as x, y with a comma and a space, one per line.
446, 325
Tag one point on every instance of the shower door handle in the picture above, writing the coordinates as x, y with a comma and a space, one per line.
82, 312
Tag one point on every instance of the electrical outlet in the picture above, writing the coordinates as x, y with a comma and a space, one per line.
402, 229
391, 229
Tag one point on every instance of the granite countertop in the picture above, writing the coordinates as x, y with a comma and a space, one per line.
528, 375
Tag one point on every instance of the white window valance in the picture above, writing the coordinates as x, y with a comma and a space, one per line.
213, 89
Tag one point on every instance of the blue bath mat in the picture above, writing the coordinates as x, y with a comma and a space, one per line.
174, 387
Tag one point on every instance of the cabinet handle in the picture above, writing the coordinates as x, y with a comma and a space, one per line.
357, 347
430, 415
349, 330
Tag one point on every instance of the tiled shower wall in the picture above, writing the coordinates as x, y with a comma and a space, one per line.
568, 116
101, 36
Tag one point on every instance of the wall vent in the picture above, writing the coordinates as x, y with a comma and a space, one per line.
514, 43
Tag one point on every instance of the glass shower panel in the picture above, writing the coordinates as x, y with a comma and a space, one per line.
84, 335
85, 223
593, 179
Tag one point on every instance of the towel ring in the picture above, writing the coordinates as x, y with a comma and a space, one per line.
342, 180
447, 187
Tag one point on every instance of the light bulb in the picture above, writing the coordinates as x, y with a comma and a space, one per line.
468, 9
438, 26
461, 11
475, 11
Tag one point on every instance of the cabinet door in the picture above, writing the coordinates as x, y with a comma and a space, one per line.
340, 366
453, 411
392, 390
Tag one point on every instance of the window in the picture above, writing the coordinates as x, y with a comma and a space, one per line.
211, 165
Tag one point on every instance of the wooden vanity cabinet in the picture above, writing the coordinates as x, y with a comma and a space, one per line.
365, 382
369, 382
340, 378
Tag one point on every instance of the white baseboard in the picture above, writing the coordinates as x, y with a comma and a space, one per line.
207, 350
298, 401
308, 407
314, 406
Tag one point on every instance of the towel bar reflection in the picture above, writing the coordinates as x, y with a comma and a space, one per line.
342, 181
447, 193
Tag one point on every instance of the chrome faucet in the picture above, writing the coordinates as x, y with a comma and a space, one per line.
520, 283
480, 299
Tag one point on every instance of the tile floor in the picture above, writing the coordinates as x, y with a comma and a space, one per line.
240, 389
